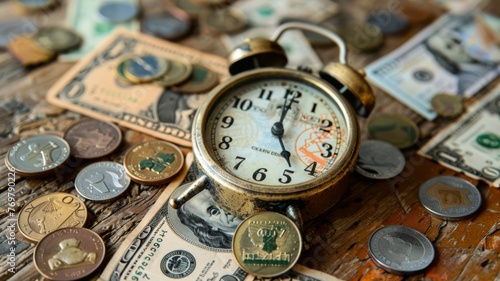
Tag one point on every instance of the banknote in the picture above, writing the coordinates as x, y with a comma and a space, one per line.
298, 50
92, 88
434, 61
191, 243
472, 144
83, 16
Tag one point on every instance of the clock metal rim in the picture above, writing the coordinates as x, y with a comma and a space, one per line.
220, 176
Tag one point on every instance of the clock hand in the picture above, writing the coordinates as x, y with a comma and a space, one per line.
285, 153
278, 130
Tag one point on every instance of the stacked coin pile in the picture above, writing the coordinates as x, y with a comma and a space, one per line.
184, 77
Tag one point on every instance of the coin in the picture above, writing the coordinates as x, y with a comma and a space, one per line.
447, 105
389, 23
50, 212
178, 73
449, 198
267, 244
154, 162
35, 5
13, 28
201, 80
70, 253
395, 129
102, 181
27, 52
120, 70
172, 24
193, 9
364, 37
145, 68
118, 11
57, 39
90, 138
38, 155
225, 20
400, 249
379, 160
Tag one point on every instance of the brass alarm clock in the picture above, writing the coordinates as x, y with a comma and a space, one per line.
277, 139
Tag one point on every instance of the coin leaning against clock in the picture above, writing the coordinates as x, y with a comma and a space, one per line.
38, 155
379, 160
71, 253
267, 244
102, 181
36, 219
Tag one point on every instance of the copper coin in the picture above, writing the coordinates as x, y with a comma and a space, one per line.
201, 80
91, 138
154, 162
50, 212
69, 253
447, 105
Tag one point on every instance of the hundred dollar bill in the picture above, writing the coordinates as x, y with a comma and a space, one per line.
191, 243
472, 144
434, 61
92, 88
83, 15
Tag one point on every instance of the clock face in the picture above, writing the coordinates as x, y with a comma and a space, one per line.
276, 130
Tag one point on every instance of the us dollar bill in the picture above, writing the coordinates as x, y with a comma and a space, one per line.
472, 144
83, 16
92, 88
442, 58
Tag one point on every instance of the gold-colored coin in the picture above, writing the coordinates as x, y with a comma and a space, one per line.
50, 212
267, 244
154, 162
394, 129
202, 80
178, 73
27, 52
447, 105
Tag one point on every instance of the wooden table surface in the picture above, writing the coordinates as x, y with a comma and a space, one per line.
465, 250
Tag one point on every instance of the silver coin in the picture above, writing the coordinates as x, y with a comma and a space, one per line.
118, 11
449, 198
14, 28
400, 249
102, 181
38, 155
172, 24
379, 160
389, 23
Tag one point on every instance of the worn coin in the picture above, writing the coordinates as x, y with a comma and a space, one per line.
389, 23
177, 73
447, 105
364, 37
172, 24
201, 80
50, 212
145, 68
118, 11
57, 39
28, 52
71, 253
154, 162
102, 181
449, 198
92, 138
38, 155
225, 20
35, 5
400, 249
379, 160
395, 129
267, 244
13, 28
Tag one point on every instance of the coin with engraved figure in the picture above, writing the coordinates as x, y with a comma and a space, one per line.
267, 244
50, 212
450, 198
90, 138
57, 39
154, 162
102, 181
379, 160
400, 249
38, 155
70, 253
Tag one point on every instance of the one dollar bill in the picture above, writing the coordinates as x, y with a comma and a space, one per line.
191, 243
92, 88
472, 144
440, 59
